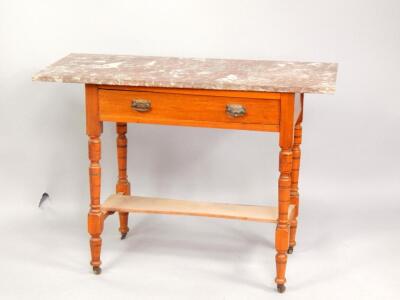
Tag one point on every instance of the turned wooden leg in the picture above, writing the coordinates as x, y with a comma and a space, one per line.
123, 185
94, 129
282, 228
294, 192
285, 168
95, 217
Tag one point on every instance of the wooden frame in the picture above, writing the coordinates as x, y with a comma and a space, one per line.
280, 112
200, 108
151, 205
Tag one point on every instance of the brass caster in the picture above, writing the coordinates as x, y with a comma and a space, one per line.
290, 250
281, 288
97, 270
123, 235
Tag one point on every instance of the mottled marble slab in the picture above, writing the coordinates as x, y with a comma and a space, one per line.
217, 74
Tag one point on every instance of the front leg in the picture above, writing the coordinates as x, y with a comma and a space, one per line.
282, 228
285, 168
95, 217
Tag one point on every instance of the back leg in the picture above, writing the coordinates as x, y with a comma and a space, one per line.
123, 185
294, 191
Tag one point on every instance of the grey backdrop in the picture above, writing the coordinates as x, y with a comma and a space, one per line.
348, 233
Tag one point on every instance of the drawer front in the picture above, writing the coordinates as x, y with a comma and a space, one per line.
191, 110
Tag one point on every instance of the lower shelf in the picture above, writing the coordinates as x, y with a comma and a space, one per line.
151, 205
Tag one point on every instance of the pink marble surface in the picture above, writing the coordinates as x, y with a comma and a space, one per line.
217, 74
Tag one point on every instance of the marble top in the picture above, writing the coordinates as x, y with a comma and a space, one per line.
217, 74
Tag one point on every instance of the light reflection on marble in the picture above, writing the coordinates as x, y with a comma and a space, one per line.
217, 74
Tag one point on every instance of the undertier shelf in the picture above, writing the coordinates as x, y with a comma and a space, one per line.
151, 205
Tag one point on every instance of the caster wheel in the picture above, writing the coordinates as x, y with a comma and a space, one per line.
123, 236
290, 250
281, 288
97, 270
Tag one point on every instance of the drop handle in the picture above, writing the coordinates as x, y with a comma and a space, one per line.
235, 110
141, 105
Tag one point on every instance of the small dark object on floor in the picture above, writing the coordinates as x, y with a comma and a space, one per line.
281, 288
290, 250
97, 270
123, 236
45, 196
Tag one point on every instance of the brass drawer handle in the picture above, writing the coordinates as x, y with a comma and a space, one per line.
141, 105
235, 110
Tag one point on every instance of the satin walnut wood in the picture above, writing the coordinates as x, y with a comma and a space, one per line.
196, 109
231, 94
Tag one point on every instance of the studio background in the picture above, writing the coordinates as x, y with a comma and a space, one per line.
348, 235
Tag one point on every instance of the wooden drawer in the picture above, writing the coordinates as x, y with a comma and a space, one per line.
188, 109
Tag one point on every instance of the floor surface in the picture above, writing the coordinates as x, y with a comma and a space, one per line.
341, 254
